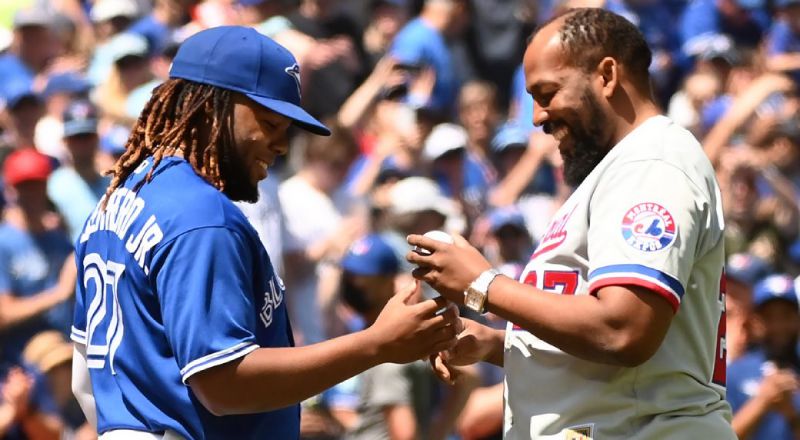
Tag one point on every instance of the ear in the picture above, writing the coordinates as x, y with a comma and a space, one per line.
608, 69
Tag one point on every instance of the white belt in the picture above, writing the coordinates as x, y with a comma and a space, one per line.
130, 434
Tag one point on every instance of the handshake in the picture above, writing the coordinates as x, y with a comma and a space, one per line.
407, 329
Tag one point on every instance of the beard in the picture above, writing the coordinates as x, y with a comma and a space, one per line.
587, 151
237, 178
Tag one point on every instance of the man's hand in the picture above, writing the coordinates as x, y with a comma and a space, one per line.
450, 268
17, 389
776, 389
406, 331
475, 344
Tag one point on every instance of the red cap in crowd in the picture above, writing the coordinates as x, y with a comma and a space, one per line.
24, 165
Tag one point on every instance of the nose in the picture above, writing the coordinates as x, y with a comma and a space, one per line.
540, 115
281, 145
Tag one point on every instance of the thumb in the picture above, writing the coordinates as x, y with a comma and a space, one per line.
407, 293
459, 241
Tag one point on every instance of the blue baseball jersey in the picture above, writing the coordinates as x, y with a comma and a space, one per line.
173, 280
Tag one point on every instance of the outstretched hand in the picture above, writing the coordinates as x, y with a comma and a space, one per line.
407, 330
472, 346
450, 268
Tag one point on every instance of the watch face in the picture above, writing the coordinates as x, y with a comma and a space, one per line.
473, 300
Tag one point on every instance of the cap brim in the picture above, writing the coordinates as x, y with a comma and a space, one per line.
300, 117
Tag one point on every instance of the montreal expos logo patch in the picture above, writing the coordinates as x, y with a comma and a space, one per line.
649, 227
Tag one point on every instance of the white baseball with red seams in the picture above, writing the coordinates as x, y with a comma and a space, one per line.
435, 235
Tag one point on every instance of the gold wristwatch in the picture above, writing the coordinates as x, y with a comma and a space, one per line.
477, 293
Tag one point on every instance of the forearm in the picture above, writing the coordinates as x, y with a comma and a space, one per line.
360, 103
40, 426
366, 179
7, 415
15, 310
273, 378
400, 422
509, 189
748, 417
495, 340
784, 63
577, 325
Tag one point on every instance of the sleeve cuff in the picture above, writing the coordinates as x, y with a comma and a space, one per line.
638, 275
78, 336
217, 358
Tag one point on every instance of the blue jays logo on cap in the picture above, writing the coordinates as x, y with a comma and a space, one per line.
294, 72
240, 59
649, 227
361, 247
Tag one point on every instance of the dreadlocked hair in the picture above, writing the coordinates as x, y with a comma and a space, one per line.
191, 119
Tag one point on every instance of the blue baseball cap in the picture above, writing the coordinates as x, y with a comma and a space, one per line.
114, 140
506, 216
370, 255
510, 134
80, 117
746, 268
241, 59
775, 287
69, 82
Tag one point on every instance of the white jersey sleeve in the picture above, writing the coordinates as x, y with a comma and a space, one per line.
647, 221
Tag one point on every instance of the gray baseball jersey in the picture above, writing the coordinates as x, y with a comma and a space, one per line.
648, 215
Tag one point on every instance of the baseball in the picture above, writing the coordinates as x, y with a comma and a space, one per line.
436, 235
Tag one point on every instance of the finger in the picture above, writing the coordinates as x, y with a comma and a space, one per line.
431, 306
419, 259
426, 242
460, 241
421, 273
441, 370
407, 293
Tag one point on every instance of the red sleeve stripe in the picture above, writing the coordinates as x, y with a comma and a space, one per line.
669, 295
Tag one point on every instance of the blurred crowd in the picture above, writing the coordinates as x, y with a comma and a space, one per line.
432, 129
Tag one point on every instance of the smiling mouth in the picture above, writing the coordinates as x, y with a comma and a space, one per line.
263, 163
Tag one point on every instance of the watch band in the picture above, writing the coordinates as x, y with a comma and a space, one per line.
481, 287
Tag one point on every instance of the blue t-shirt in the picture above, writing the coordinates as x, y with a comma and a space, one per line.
173, 280
156, 33
418, 43
475, 184
15, 76
40, 399
74, 197
30, 264
744, 378
702, 18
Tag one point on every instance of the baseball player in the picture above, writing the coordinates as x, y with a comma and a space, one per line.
180, 318
617, 324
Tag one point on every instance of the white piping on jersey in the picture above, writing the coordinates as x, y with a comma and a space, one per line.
217, 358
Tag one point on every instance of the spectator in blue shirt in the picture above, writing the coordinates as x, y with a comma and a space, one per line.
27, 410
763, 386
745, 21
31, 50
654, 19
37, 274
423, 42
458, 175
158, 26
77, 186
783, 40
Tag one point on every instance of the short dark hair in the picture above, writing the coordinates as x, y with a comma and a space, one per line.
590, 34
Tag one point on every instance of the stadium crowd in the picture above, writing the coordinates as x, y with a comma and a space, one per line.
432, 129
